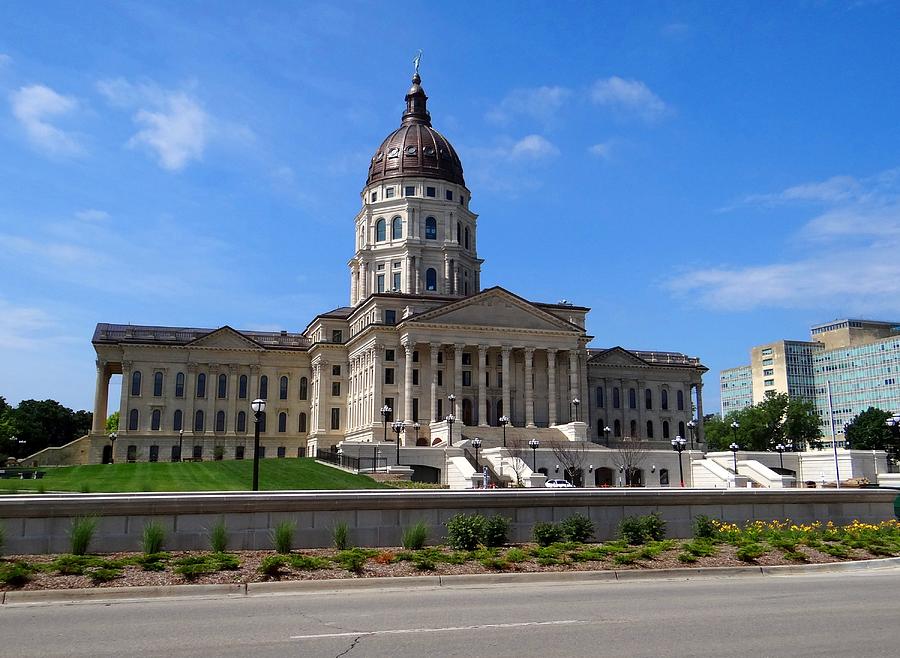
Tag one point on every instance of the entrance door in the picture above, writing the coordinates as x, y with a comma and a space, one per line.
467, 412
107, 454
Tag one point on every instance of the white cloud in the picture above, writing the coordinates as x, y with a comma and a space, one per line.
541, 103
848, 253
629, 97
23, 327
92, 215
533, 147
34, 106
602, 150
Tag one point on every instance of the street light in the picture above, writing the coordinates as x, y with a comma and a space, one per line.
734, 429
534, 444
734, 447
678, 445
606, 431
385, 410
450, 420
576, 402
476, 443
112, 447
504, 421
691, 425
259, 408
780, 448
180, 442
398, 426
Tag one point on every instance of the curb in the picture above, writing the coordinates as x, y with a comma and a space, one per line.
338, 585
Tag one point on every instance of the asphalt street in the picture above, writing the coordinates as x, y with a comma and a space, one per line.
798, 615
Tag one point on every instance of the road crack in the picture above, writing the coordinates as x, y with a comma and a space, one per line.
351, 647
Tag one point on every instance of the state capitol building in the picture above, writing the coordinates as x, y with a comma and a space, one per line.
420, 336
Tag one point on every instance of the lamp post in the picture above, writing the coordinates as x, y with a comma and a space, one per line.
734, 447
575, 403
476, 443
504, 421
678, 445
416, 427
259, 408
534, 444
734, 428
180, 442
398, 426
780, 450
606, 431
112, 447
450, 420
385, 410
691, 426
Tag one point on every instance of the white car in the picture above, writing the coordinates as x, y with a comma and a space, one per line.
559, 484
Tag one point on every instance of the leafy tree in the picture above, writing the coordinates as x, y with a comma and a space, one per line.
869, 431
718, 431
112, 423
43, 423
776, 419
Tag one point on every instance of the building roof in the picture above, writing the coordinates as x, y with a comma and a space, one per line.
655, 357
416, 149
113, 334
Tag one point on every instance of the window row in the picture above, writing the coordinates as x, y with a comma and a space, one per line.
221, 386
410, 190
632, 399
633, 429
220, 425
463, 236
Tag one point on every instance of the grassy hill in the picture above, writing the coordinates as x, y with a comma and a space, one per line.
274, 474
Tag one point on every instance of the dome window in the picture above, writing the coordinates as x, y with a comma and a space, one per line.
430, 191
429, 151
394, 152
379, 157
411, 150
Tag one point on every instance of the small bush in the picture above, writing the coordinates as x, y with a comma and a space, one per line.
638, 530
271, 565
153, 538
218, 537
414, 538
655, 527
283, 537
309, 562
495, 563
81, 533
749, 552
424, 561
465, 531
193, 566
625, 558
353, 559
835, 550
218, 453
516, 555
578, 528
687, 557
104, 574
496, 529
547, 533
704, 527
153, 561
15, 574
700, 548
340, 536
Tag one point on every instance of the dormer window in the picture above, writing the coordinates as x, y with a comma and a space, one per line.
389, 193
409, 190
449, 194
374, 197
430, 191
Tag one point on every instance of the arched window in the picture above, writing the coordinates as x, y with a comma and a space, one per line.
632, 426
177, 420
136, 382
664, 476
222, 388
600, 427
264, 387
431, 279
220, 421
396, 228
666, 429
242, 421
302, 426
380, 231
155, 419
680, 399
198, 421
262, 422
467, 237
649, 429
179, 385
283, 388
616, 401
304, 388
632, 398
242, 387
282, 422
681, 429
431, 228
648, 399
201, 385
617, 428
600, 396
664, 400
133, 420
157, 384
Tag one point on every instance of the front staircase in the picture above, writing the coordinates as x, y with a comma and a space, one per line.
492, 437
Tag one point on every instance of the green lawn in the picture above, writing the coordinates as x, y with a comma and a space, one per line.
274, 474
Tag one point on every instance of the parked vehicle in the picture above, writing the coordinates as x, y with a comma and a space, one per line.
559, 484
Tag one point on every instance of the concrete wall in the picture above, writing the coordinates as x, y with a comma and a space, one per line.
40, 524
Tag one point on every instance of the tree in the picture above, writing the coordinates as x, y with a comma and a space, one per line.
518, 451
112, 423
869, 430
718, 431
43, 423
776, 419
572, 455
631, 451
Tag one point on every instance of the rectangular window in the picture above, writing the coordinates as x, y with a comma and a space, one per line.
389, 355
487, 379
379, 283
467, 378
389, 192
769, 382
430, 191
396, 284
380, 267
282, 451
767, 351
396, 264
239, 450
440, 377
768, 362
499, 379
335, 418
440, 357
388, 375
336, 371
768, 371
415, 356
337, 336
336, 389
389, 403
154, 453
390, 317
415, 374
449, 194
440, 409
467, 358
409, 190
415, 410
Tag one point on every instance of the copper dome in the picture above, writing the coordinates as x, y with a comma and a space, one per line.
415, 148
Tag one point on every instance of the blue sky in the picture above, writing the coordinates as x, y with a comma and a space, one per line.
705, 176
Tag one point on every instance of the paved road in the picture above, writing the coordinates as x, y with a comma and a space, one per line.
851, 614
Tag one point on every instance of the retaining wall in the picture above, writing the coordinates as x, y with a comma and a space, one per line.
40, 523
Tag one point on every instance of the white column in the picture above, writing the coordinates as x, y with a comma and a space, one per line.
364, 281
377, 380
101, 398
551, 386
190, 397
408, 383
583, 393
482, 392
231, 414
457, 371
504, 356
125, 399
701, 434
354, 281
529, 387
447, 277
573, 381
435, 347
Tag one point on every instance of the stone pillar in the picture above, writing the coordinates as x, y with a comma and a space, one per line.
447, 278
410, 268
101, 398
529, 387
435, 347
408, 383
378, 380
583, 393
364, 281
551, 386
482, 389
573, 382
457, 283
504, 370
701, 434
354, 282
212, 389
457, 371
125, 398
190, 398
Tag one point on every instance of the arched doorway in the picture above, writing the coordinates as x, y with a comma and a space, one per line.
603, 477
467, 411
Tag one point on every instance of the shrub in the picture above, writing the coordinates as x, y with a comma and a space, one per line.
835, 550
749, 552
687, 557
153, 538
700, 548
655, 527
414, 537
498, 563
218, 537
547, 533
218, 453
465, 531
271, 565
516, 555
577, 528
283, 537
704, 528
104, 574
424, 561
340, 536
193, 566
309, 562
495, 530
153, 561
81, 533
641, 529
353, 559
15, 574
625, 558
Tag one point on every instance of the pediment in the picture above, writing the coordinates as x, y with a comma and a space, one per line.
226, 338
496, 308
617, 356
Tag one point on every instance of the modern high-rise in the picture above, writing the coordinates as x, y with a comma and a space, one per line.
736, 388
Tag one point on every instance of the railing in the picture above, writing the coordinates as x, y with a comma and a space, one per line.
479, 465
357, 464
